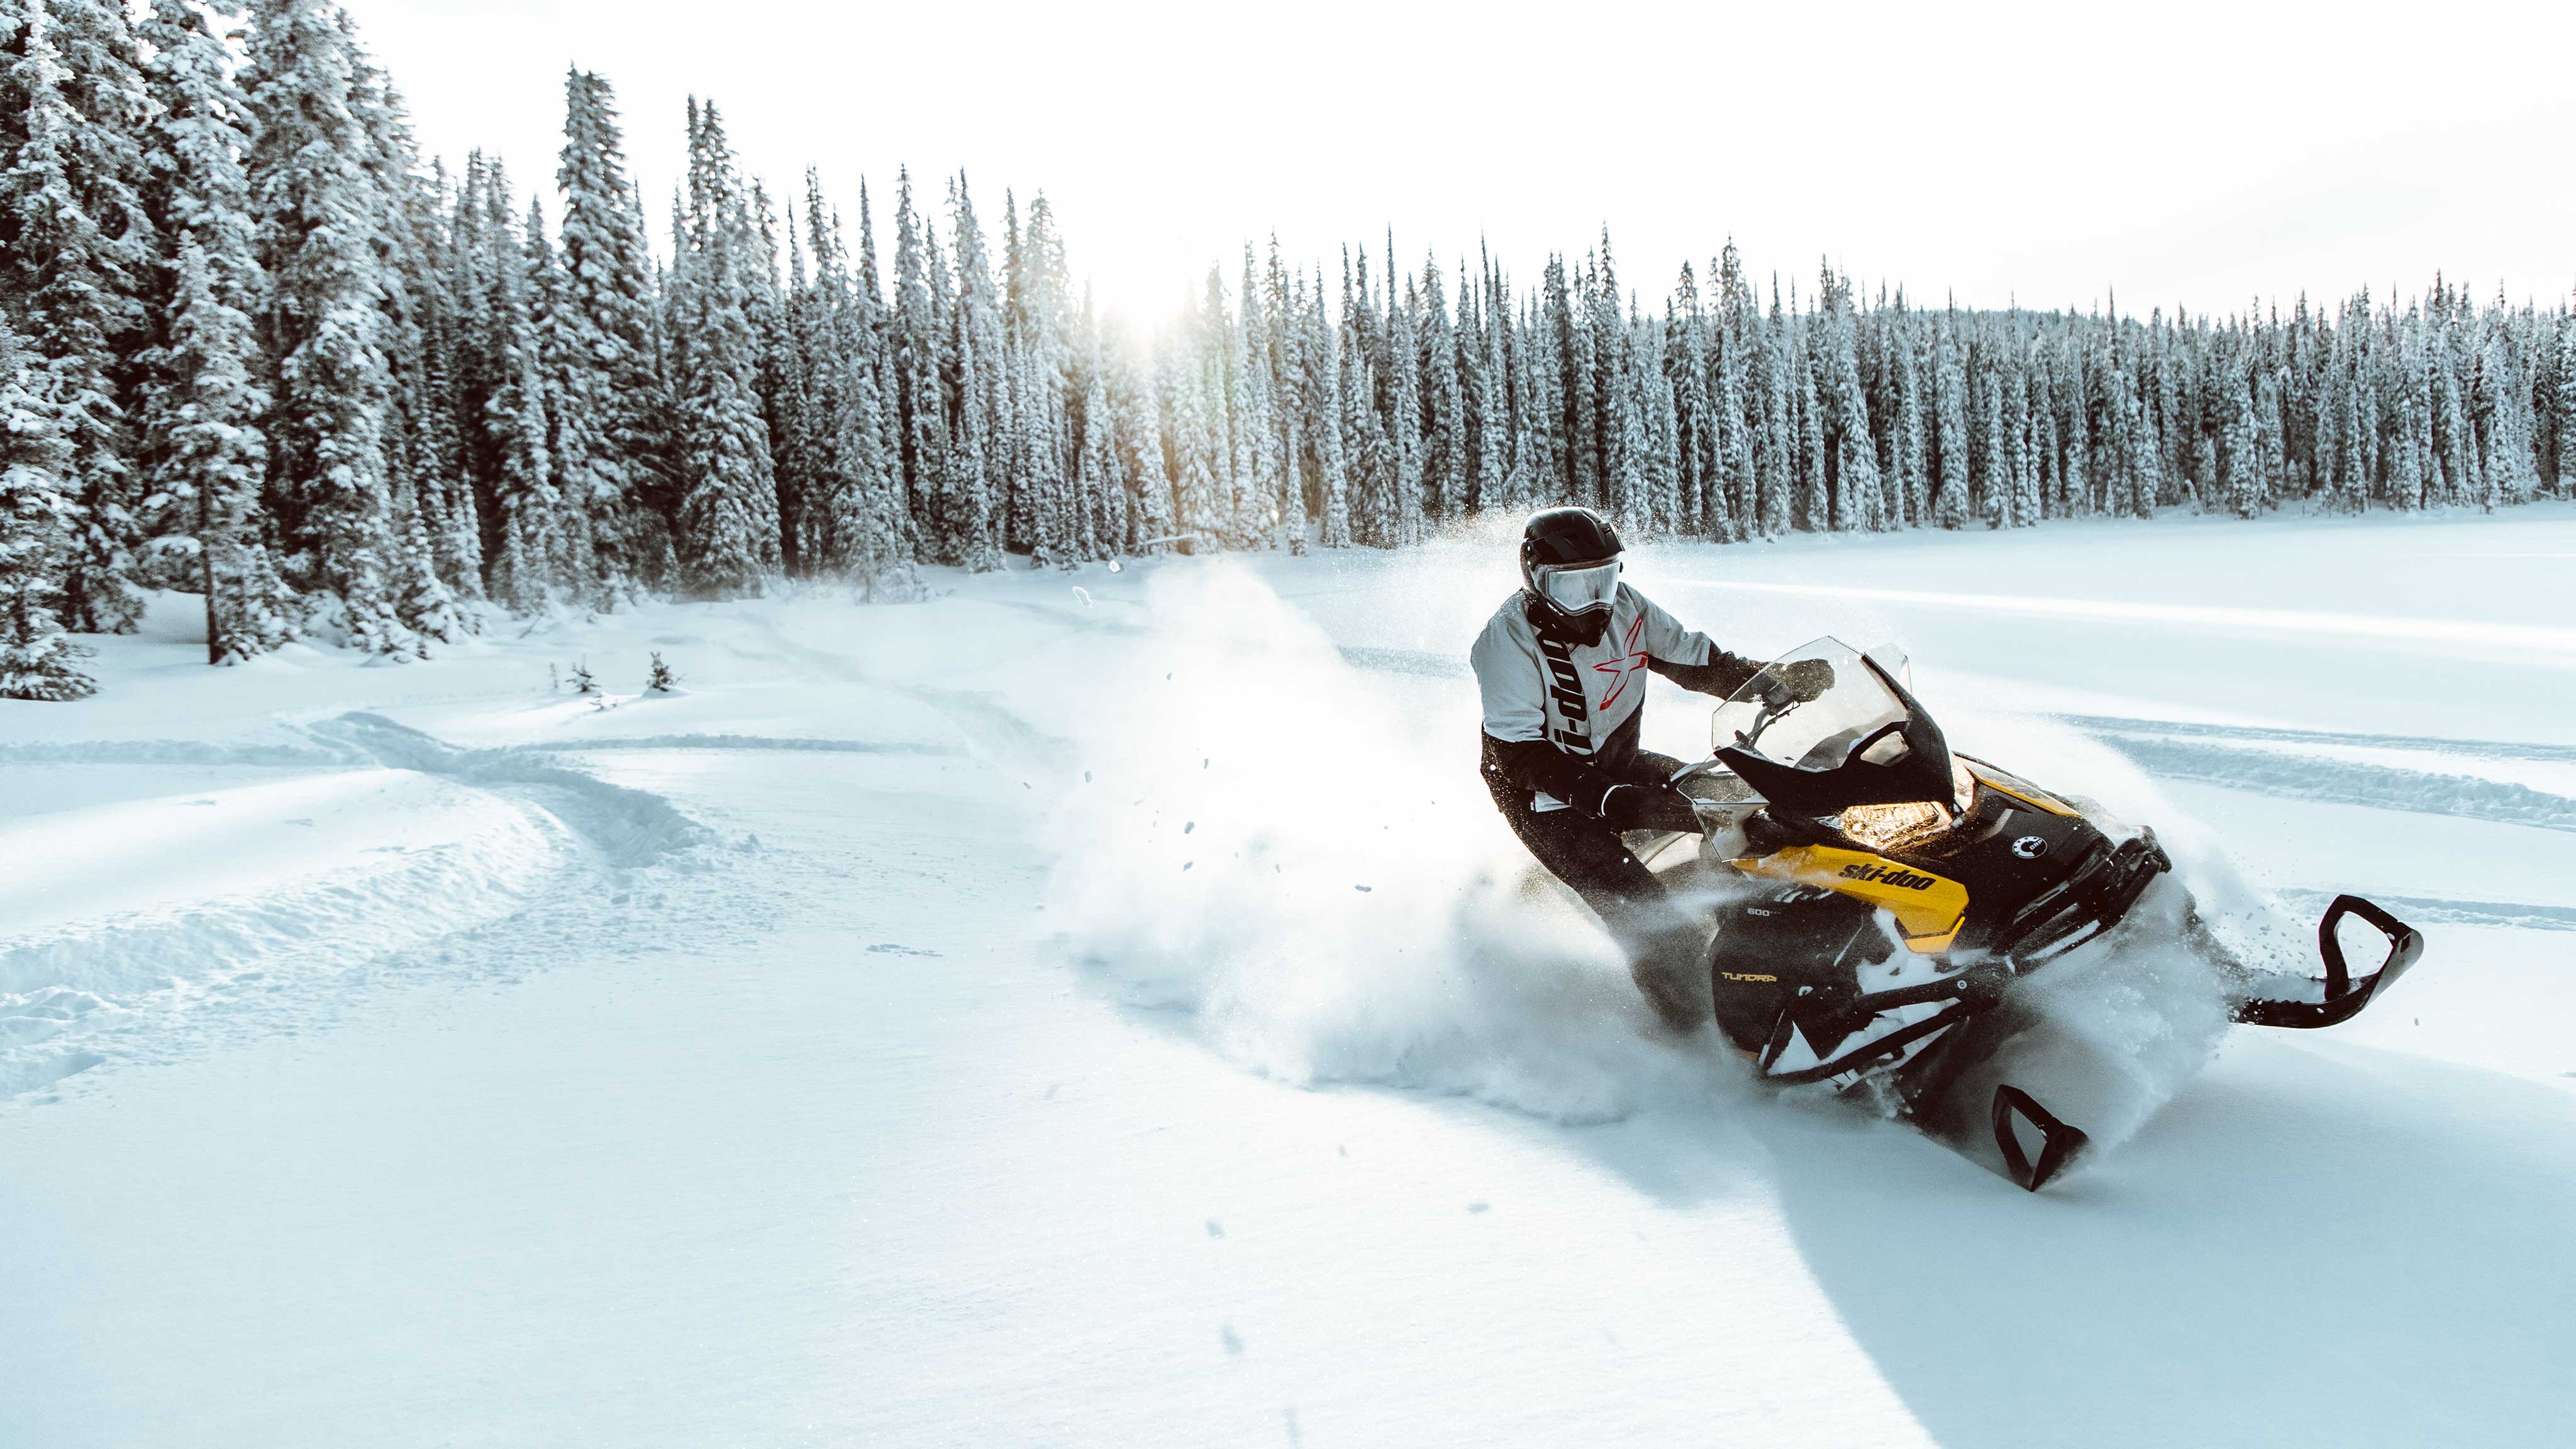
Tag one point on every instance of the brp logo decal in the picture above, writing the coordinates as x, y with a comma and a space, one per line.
2030, 847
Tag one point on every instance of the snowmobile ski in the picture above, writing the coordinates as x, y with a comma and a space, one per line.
2059, 1143
2344, 995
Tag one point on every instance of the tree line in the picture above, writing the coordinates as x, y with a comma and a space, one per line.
254, 347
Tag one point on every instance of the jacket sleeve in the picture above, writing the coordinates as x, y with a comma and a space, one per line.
1536, 765
1517, 750
1688, 658
1511, 684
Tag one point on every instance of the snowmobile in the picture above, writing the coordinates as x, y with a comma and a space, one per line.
1877, 899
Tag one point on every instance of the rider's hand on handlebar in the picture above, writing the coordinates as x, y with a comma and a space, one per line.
1809, 679
1796, 684
1649, 807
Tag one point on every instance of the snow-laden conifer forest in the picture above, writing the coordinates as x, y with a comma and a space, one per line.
258, 348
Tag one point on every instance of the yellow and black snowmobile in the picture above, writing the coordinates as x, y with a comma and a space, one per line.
1877, 897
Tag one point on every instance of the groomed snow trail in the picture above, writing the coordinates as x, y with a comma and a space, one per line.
1119, 1017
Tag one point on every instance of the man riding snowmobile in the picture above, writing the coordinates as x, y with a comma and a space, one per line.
1559, 667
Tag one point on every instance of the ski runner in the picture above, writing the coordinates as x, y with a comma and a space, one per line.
1562, 666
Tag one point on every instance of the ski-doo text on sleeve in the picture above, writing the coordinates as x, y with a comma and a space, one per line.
1561, 718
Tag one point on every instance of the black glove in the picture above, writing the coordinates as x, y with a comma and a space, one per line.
1648, 807
1764, 834
1801, 681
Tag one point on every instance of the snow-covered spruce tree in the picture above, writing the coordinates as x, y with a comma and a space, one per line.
2561, 395
1262, 404
2501, 406
2145, 461
1779, 451
1526, 383
318, 215
2045, 497
214, 457
1095, 455
2240, 480
1654, 386
2271, 441
442, 487
1625, 459
990, 458
615, 433
1814, 507
1193, 421
1404, 417
1368, 467
575, 559
1853, 490
1037, 445
2075, 440
509, 426
405, 297
2406, 455
77, 263
776, 380
1251, 425
1602, 381
1137, 399
1333, 400
204, 455
1483, 402
726, 532
1731, 483
974, 505
1444, 471
595, 342
802, 452
37, 660
1912, 490
1291, 422
1230, 514
1108, 508
921, 409
1370, 455
1686, 375
2018, 504
1041, 314
880, 305
871, 533
802, 447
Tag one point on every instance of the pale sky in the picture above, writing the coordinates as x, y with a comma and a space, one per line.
2194, 152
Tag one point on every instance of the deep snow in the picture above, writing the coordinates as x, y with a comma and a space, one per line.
1105, 1009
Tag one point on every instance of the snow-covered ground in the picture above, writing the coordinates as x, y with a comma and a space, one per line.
1104, 1009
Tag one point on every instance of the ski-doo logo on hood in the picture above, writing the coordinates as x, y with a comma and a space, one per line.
1887, 875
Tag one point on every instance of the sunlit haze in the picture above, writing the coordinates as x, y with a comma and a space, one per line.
2194, 153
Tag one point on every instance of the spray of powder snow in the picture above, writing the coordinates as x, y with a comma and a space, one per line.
1297, 856
1300, 857
2108, 1034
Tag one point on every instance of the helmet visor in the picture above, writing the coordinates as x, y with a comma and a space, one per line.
1583, 587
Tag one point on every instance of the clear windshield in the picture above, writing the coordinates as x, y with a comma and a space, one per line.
1850, 710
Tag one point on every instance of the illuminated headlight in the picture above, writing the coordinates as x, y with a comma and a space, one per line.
1963, 787
1893, 827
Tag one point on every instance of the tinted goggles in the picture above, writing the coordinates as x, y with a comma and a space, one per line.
1586, 586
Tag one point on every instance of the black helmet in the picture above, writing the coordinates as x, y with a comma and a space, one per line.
1570, 570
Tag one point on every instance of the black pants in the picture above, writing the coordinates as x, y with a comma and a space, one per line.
1661, 943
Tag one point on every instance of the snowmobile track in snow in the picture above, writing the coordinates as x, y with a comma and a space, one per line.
2293, 776
2473, 749
137, 983
789, 744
